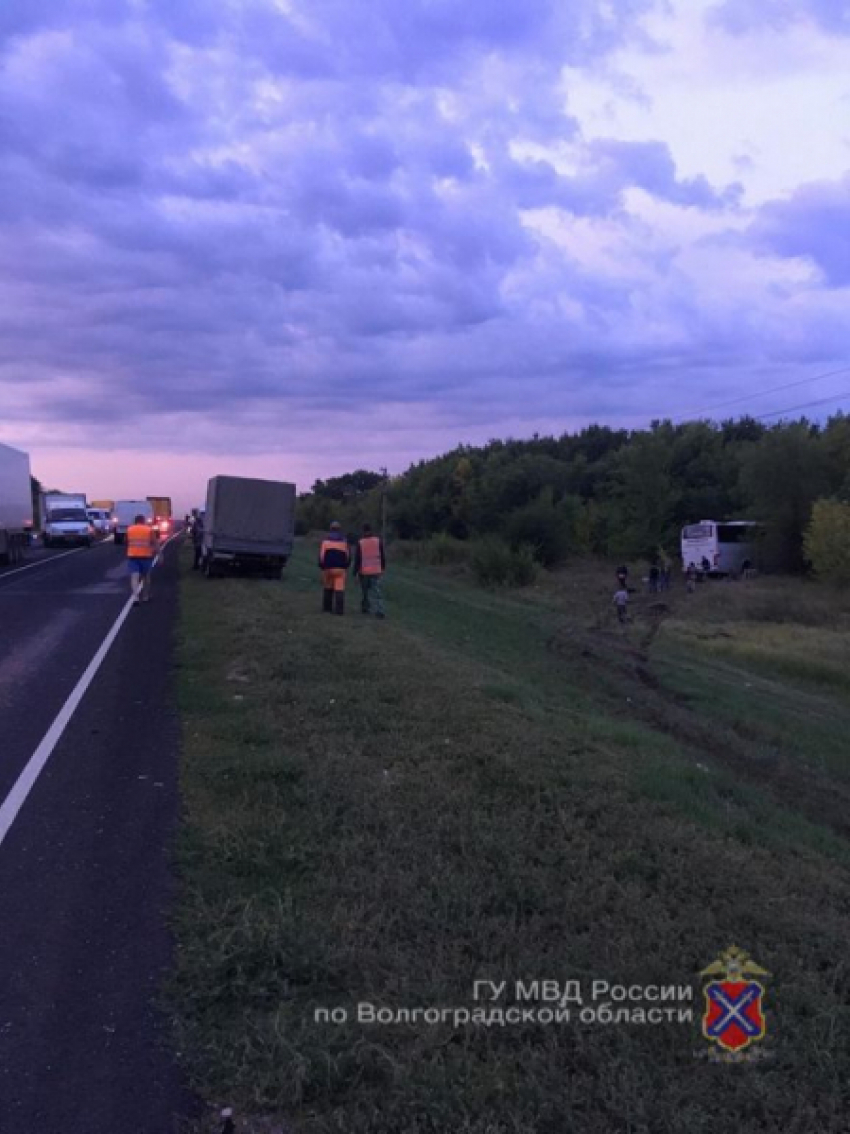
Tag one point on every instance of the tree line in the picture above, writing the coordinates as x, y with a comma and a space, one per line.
617, 493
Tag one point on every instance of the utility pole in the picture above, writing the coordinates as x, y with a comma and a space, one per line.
384, 506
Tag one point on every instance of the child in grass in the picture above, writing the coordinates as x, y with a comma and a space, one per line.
621, 601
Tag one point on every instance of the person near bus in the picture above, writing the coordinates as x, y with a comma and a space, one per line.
370, 563
141, 551
334, 560
621, 601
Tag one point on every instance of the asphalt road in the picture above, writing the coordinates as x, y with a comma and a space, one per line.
84, 868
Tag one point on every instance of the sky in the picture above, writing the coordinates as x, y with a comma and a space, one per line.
290, 238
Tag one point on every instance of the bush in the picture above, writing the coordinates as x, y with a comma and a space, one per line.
827, 541
445, 549
496, 564
440, 551
545, 527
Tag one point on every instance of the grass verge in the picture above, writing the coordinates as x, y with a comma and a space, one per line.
503, 788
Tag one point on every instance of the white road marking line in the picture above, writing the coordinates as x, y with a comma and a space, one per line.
25, 782
51, 559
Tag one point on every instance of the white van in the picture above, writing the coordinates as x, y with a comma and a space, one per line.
100, 520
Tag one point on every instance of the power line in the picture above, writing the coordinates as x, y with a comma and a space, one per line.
772, 390
805, 405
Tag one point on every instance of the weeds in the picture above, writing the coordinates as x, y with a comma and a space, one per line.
487, 788
496, 564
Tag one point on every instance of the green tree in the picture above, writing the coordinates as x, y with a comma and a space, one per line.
643, 495
544, 526
35, 493
827, 541
781, 476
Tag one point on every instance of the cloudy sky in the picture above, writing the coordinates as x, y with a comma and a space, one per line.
292, 237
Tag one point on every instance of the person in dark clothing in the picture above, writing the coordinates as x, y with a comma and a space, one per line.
197, 541
654, 575
370, 563
334, 559
622, 576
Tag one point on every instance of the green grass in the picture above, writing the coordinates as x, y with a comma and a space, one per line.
506, 787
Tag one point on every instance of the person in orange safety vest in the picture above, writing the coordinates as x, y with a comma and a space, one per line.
370, 563
333, 562
141, 550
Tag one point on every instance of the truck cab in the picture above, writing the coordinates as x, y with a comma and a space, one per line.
65, 520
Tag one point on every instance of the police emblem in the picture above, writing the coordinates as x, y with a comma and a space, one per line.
734, 1013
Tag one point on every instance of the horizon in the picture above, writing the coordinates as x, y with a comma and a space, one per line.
298, 240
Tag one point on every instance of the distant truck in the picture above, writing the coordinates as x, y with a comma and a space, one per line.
124, 514
106, 505
64, 519
15, 503
249, 525
162, 516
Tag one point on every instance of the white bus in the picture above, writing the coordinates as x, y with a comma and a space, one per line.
720, 548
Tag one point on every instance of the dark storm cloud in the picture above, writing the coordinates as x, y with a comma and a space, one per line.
224, 208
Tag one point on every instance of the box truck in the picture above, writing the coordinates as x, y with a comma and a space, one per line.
15, 503
64, 519
162, 519
125, 514
249, 525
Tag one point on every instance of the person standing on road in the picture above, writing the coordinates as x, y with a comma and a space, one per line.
197, 541
623, 576
334, 559
141, 549
370, 563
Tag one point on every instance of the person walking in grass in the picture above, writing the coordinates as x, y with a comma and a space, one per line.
141, 550
621, 601
334, 559
370, 563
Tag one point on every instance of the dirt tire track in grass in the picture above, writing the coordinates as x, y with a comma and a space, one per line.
370, 818
621, 668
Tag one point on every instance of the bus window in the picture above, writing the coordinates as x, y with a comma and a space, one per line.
730, 533
698, 531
